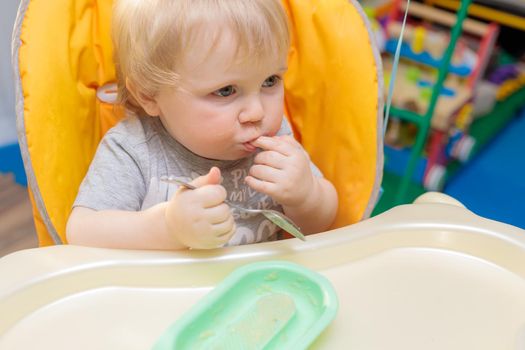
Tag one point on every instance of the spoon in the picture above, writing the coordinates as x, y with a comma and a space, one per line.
274, 216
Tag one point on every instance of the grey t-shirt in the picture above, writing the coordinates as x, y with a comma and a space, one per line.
138, 151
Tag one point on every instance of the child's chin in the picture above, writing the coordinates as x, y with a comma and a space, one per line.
239, 156
229, 157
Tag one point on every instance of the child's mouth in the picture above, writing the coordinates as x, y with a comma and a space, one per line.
249, 147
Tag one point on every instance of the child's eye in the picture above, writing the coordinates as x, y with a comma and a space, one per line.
225, 91
271, 81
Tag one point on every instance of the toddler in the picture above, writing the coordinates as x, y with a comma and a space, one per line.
203, 83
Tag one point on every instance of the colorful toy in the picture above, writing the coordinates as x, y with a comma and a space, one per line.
419, 94
510, 78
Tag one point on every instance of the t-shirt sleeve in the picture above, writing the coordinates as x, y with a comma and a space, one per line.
114, 179
287, 130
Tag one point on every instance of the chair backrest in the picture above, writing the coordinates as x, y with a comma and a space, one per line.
62, 54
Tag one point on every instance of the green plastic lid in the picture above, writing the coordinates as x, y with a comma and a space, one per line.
264, 305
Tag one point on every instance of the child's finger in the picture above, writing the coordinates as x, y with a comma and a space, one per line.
271, 158
289, 139
218, 214
213, 177
273, 144
265, 173
225, 229
209, 196
265, 187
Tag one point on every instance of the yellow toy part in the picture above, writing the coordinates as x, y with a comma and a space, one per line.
62, 56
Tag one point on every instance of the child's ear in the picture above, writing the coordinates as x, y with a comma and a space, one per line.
148, 103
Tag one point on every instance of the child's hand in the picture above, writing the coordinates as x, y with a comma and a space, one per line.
282, 170
199, 218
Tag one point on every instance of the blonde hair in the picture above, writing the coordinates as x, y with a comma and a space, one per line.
151, 36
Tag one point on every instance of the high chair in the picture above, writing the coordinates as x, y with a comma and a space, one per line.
432, 250
62, 57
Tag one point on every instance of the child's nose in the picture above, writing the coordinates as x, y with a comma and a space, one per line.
253, 110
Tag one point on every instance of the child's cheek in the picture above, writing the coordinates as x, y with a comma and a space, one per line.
275, 127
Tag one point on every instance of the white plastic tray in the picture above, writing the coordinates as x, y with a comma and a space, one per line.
430, 275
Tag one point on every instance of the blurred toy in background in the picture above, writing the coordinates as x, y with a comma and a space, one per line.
425, 41
509, 78
505, 76
484, 73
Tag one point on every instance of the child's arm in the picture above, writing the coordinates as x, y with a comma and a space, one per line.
283, 172
197, 219
121, 229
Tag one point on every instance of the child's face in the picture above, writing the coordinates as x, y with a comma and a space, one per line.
221, 106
